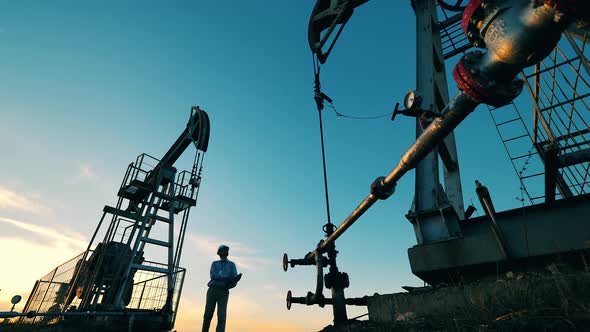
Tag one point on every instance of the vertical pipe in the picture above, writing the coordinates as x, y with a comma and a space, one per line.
339, 306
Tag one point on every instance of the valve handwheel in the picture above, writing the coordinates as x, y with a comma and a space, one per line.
289, 298
285, 262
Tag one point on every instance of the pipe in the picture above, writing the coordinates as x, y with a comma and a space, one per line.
455, 112
486, 201
357, 301
318, 296
517, 34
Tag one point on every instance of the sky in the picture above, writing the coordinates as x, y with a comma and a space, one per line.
85, 87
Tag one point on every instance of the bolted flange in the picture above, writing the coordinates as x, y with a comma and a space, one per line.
337, 280
480, 88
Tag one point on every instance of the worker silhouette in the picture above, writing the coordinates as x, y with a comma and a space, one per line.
224, 277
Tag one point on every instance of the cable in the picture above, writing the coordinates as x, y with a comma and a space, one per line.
333, 108
319, 98
324, 167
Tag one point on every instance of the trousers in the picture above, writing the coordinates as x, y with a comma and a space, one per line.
219, 297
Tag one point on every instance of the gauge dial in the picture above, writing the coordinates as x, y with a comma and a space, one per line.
409, 99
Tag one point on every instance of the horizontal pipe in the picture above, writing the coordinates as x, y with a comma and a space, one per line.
358, 301
455, 112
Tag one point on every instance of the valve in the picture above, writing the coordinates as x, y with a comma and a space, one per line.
285, 263
358, 301
516, 34
289, 300
293, 262
309, 299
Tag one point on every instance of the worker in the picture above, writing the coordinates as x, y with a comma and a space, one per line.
224, 276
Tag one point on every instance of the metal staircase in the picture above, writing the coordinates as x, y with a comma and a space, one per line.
555, 163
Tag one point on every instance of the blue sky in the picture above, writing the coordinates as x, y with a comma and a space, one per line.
86, 87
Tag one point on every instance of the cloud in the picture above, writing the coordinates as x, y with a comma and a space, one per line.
31, 254
52, 235
25, 261
244, 256
11, 200
86, 173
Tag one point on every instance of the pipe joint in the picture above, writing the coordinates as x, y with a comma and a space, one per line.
380, 189
480, 87
337, 280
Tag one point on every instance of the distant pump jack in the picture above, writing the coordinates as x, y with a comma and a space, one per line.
133, 276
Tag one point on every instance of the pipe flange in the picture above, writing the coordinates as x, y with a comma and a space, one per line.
469, 23
480, 88
579, 9
379, 190
464, 76
337, 280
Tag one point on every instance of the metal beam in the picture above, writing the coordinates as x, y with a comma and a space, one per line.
533, 231
573, 158
432, 87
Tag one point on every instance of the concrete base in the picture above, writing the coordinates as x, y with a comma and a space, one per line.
553, 301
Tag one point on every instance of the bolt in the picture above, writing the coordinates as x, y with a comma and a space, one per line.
559, 16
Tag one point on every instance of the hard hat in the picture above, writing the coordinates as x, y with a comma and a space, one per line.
221, 247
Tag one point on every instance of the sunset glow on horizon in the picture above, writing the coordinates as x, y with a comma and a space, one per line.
89, 86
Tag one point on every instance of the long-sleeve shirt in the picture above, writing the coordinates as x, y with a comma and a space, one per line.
222, 273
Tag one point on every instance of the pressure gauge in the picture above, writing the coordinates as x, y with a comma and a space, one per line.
410, 99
